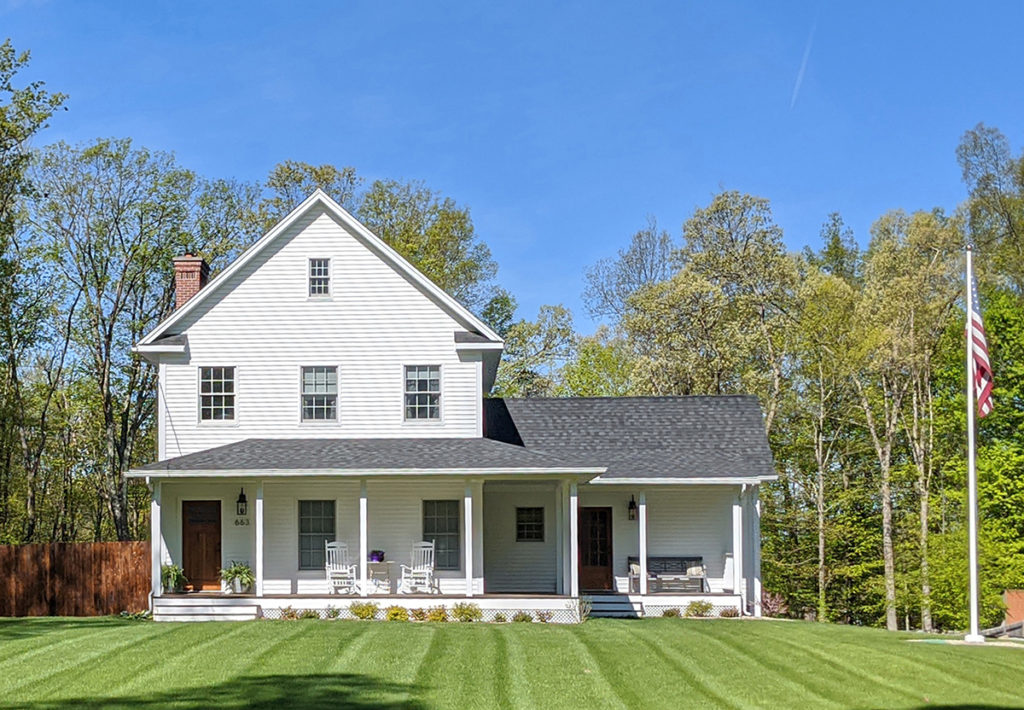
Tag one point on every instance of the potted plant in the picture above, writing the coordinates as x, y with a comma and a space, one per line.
173, 578
238, 577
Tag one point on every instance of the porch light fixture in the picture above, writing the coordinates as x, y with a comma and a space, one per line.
242, 505
632, 508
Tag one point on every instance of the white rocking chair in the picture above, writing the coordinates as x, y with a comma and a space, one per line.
420, 573
341, 573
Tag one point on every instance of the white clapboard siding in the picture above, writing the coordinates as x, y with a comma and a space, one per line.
394, 523
681, 521
238, 534
263, 323
511, 566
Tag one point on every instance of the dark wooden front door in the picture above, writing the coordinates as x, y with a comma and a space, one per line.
595, 541
200, 543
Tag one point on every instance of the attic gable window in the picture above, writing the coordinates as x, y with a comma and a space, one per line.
319, 277
422, 392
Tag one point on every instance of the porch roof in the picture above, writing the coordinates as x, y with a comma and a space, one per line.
307, 457
692, 439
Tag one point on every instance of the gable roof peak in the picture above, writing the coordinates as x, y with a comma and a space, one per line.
360, 231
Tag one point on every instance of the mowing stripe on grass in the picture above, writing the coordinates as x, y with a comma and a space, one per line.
555, 665
851, 669
764, 656
502, 679
616, 659
149, 669
68, 665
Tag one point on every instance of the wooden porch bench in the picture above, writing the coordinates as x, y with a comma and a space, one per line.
686, 575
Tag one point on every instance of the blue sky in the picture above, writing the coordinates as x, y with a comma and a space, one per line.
561, 125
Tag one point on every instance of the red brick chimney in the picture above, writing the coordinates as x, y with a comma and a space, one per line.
190, 275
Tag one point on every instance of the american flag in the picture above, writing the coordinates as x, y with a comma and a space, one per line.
982, 368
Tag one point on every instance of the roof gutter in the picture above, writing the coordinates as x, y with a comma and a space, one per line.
360, 473
683, 480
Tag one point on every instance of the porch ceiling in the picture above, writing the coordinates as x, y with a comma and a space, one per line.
360, 457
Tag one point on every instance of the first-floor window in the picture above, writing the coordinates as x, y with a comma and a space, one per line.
216, 393
316, 529
441, 526
529, 525
319, 394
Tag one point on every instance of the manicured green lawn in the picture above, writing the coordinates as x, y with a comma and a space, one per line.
654, 663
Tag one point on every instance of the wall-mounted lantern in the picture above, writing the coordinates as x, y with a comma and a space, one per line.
242, 505
632, 508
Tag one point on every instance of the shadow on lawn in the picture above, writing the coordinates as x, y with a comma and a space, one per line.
305, 692
25, 626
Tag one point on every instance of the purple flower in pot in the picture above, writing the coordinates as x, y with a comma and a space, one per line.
376, 555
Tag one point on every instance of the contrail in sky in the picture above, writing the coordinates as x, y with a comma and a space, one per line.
803, 65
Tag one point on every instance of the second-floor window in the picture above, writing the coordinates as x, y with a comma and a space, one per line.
216, 393
422, 392
319, 394
319, 277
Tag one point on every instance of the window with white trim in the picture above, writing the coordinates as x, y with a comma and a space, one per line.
422, 392
316, 528
319, 277
319, 394
529, 524
216, 393
441, 526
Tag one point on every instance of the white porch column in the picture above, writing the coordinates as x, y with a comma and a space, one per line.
737, 549
259, 538
574, 542
643, 542
755, 522
560, 538
156, 537
467, 514
364, 551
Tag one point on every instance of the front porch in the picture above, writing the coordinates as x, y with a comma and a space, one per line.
510, 544
551, 608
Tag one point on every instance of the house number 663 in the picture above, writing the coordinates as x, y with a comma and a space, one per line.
241, 521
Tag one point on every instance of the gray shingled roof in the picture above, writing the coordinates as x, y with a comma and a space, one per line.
360, 455
640, 437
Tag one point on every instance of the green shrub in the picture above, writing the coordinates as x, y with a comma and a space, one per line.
332, 612
523, 617
145, 615
729, 612
396, 613
699, 607
364, 610
544, 616
289, 614
499, 618
464, 611
418, 614
437, 613
309, 614
672, 613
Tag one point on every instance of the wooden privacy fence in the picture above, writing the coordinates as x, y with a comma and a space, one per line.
74, 578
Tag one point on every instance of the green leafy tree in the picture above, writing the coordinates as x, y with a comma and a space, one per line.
534, 353
599, 367
110, 218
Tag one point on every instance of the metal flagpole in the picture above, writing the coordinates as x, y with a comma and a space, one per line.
972, 477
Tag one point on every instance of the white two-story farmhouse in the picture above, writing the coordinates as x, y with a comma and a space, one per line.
324, 419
